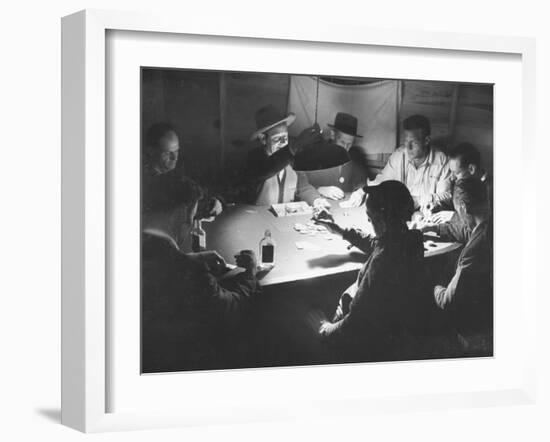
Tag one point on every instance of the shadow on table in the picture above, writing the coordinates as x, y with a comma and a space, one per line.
334, 260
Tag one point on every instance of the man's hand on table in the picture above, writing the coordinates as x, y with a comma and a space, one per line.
356, 198
443, 216
216, 207
321, 203
331, 226
331, 192
215, 262
247, 260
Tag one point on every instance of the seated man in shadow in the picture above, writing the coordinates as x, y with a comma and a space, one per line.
188, 315
333, 183
162, 156
380, 307
467, 299
464, 162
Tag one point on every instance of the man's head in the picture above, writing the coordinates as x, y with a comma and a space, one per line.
389, 206
465, 161
344, 130
162, 147
470, 199
275, 138
172, 203
416, 136
272, 128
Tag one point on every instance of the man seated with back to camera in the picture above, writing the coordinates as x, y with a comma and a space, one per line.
467, 298
188, 314
269, 177
420, 166
382, 306
161, 156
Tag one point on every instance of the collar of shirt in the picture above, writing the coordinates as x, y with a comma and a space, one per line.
427, 161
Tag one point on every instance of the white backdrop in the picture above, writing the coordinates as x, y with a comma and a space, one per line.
30, 221
374, 105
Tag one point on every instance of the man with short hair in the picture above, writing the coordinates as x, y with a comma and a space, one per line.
188, 314
420, 166
269, 176
161, 155
161, 149
334, 182
468, 298
465, 162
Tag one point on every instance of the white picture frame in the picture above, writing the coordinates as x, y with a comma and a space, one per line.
85, 202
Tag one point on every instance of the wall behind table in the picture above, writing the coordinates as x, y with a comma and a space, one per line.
190, 101
245, 94
434, 100
213, 113
373, 103
458, 112
474, 120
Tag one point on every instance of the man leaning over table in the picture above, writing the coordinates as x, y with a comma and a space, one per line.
333, 183
269, 177
464, 162
420, 166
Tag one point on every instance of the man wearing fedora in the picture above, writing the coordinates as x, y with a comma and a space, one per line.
334, 182
269, 176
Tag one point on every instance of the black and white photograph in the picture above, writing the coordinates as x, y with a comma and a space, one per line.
295, 220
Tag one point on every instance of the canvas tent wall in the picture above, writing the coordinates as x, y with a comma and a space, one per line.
214, 112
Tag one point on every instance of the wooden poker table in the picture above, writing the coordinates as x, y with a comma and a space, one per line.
298, 256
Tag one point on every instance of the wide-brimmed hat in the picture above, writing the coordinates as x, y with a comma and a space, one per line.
269, 117
345, 123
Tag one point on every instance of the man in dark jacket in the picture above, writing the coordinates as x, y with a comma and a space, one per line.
333, 183
380, 307
269, 177
162, 156
468, 297
188, 315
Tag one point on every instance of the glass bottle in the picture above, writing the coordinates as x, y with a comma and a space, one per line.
267, 249
198, 237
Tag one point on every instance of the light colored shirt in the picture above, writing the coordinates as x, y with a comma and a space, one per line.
428, 183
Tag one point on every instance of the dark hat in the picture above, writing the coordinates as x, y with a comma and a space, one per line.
393, 197
269, 117
345, 123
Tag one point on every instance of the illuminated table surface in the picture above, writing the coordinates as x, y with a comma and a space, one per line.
242, 227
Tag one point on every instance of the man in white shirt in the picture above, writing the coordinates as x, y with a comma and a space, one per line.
421, 167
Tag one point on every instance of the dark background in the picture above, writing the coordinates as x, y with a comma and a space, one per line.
213, 113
